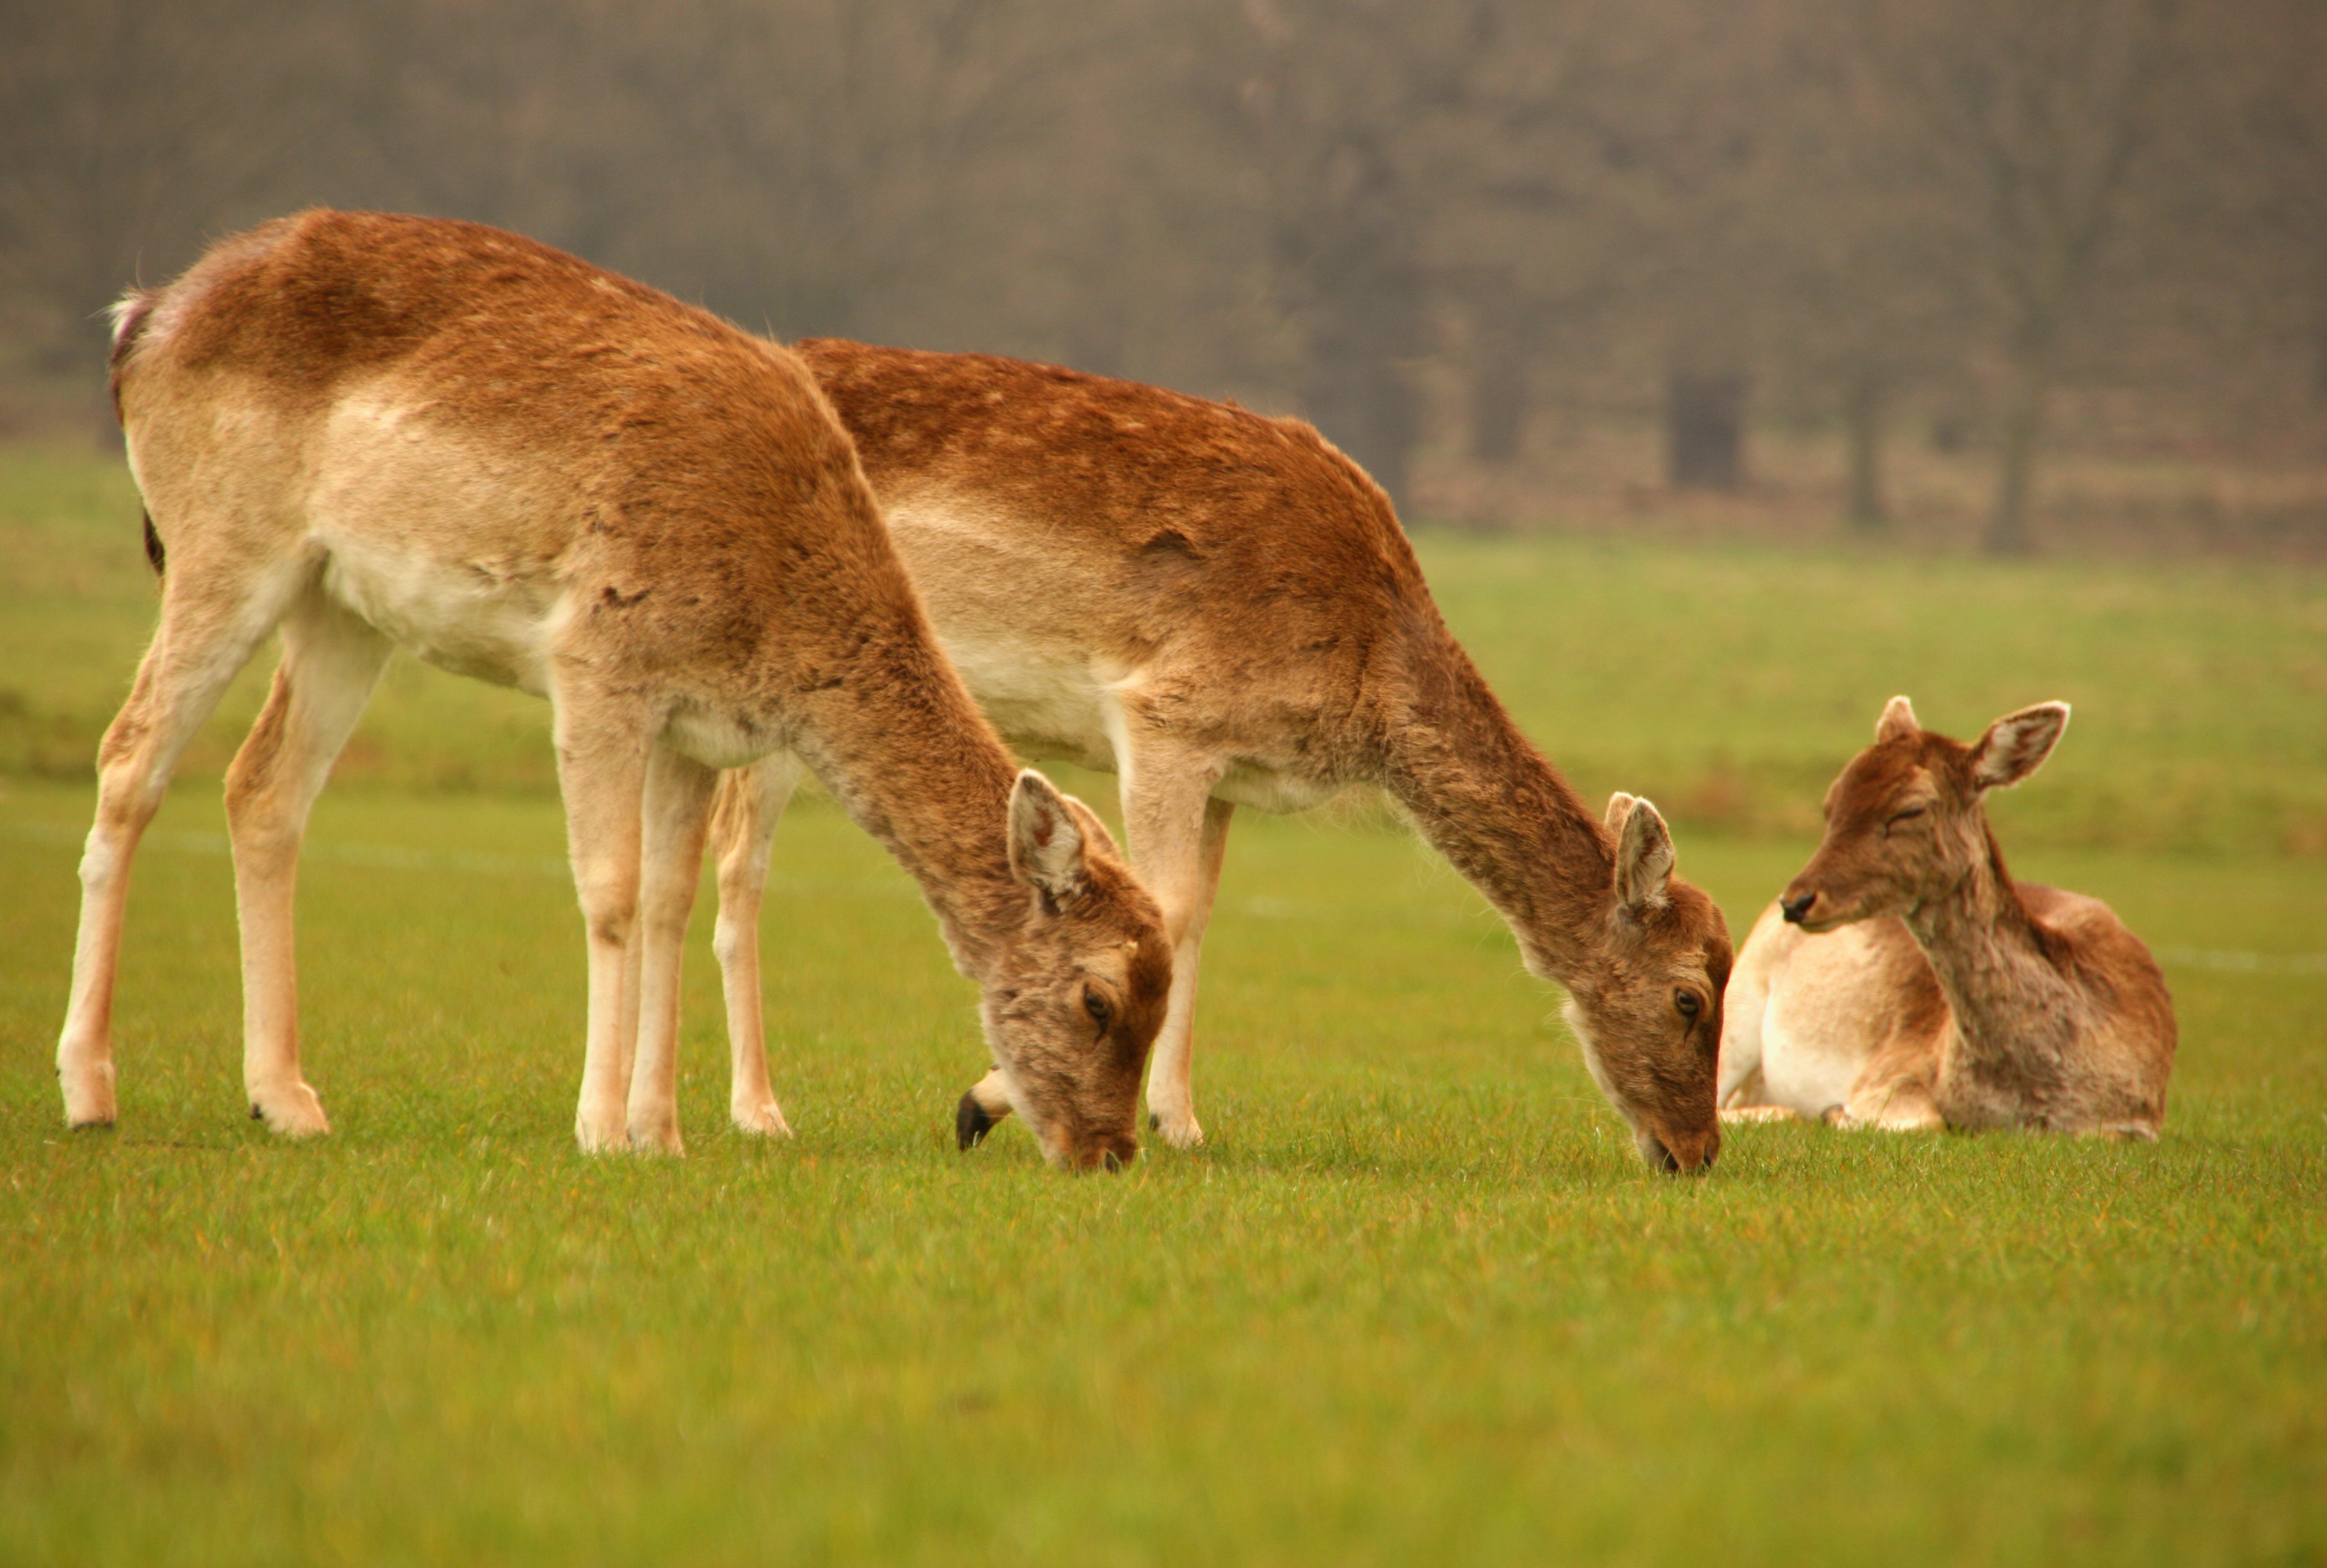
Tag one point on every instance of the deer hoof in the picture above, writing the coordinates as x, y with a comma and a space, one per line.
292, 1111
1179, 1128
88, 1096
597, 1136
763, 1120
658, 1136
970, 1122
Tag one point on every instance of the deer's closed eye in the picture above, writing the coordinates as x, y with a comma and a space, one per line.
1899, 816
1095, 1005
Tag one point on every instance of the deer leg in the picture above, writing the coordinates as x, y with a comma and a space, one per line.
675, 812
331, 662
1757, 1113
750, 801
986, 1103
1178, 836
212, 620
1891, 1105
601, 764
1185, 884
1744, 1012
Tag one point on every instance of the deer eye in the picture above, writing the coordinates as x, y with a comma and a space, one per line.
1095, 1005
1907, 815
1687, 1002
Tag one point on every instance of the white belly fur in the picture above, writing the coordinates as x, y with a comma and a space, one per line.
1827, 1012
405, 521
1800, 1071
446, 615
1062, 708
1052, 707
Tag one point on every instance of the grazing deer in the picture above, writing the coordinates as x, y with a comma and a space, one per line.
374, 432
1221, 609
1904, 980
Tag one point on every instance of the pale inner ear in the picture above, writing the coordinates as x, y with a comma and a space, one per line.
1644, 858
1619, 806
1898, 721
1046, 845
2016, 745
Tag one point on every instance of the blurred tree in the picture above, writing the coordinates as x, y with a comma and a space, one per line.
2267, 166
2031, 116
1423, 225
126, 132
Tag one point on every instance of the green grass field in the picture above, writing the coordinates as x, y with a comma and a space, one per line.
1418, 1299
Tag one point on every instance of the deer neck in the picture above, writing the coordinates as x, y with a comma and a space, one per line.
933, 787
1500, 813
2012, 1009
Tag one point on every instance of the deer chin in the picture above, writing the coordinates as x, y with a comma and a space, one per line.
1661, 1148
1067, 1142
1082, 1150
1675, 1154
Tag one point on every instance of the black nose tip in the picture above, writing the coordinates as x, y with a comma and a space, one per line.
970, 1122
1798, 909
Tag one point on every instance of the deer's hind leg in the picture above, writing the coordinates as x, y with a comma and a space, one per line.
331, 660
214, 614
749, 802
676, 805
1891, 1104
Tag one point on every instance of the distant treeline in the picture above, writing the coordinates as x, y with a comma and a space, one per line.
1393, 218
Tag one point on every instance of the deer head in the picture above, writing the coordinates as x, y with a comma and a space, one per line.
1648, 1011
1076, 995
1905, 823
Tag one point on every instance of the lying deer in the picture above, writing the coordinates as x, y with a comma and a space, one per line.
1904, 980
374, 432
1222, 609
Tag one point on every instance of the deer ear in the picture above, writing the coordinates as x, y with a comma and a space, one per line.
1644, 859
1897, 722
1046, 847
1619, 806
2016, 745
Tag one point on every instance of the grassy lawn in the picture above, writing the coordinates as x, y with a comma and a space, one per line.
1417, 1301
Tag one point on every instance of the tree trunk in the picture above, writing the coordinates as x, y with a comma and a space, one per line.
1498, 397
2016, 476
1366, 331
2319, 355
1863, 432
1500, 338
1705, 430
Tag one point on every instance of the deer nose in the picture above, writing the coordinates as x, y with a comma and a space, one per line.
1798, 908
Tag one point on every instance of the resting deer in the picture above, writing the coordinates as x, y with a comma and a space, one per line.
1222, 609
1904, 980
374, 432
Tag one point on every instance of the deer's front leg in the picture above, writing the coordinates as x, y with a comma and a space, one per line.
602, 758
1185, 876
331, 662
749, 802
1178, 836
675, 812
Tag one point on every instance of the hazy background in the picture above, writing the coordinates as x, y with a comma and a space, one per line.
2010, 273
